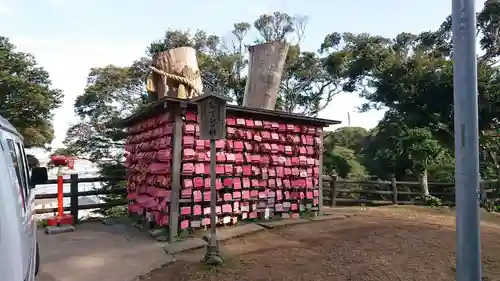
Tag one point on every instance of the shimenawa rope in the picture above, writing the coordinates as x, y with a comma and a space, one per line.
177, 78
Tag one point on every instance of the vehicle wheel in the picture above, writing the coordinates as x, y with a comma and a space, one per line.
37, 260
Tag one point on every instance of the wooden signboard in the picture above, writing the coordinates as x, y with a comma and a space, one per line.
212, 116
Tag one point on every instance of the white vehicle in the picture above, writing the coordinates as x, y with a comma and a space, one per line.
19, 257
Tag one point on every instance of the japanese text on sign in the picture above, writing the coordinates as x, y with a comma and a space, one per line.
212, 118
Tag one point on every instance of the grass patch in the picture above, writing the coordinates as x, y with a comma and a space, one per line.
307, 214
183, 234
230, 262
41, 223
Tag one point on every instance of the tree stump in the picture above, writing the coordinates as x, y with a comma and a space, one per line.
265, 68
179, 63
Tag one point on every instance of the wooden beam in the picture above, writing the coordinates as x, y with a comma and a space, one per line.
173, 216
320, 204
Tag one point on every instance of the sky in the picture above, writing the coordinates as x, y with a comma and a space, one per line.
68, 37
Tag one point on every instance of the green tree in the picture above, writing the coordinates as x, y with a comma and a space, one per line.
112, 93
350, 137
341, 156
407, 153
220, 63
381, 153
411, 75
27, 98
422, 149
306, 87
309, 82
343, 162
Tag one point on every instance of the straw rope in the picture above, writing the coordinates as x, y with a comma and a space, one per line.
180, 79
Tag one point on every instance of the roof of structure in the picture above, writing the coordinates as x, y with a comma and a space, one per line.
161, 106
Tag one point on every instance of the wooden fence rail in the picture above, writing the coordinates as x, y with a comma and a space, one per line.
355, 192
74, 195
335, 191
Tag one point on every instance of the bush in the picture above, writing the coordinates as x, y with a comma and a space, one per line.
432, 201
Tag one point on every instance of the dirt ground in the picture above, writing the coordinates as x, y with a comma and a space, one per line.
407, 243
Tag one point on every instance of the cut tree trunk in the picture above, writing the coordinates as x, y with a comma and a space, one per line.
424, 182
265, 67
181, 62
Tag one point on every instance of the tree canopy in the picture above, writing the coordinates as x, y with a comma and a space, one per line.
410, 76
27, 98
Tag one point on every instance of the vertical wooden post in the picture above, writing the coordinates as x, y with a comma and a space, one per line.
333, 190
60, 192
320, 180
74, 198
394, 190
173, 214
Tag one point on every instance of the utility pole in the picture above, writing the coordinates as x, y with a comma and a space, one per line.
468, 259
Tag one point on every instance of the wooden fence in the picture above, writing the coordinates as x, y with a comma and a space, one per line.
335, 191
353, 192
75, 194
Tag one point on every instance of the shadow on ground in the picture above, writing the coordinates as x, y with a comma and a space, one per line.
380, 244
95, 251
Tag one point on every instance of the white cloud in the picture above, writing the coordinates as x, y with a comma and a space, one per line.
57, 2
68, 63
345, 103
6, 8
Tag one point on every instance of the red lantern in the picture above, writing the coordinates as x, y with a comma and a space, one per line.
59, 160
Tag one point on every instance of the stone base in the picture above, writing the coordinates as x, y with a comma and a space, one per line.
213, 256
52, 230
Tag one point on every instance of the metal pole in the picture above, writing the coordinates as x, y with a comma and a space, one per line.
468, 260
60, 191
